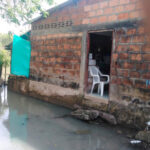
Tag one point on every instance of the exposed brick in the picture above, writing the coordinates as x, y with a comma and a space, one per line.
61, 53
123, 16
141, 30
103, 4
76, 66
140, 83
128, 65
115, 56
146, 57
136, 57
146, 48
134, 74
112, 18
130, 59
115, 80
134, 14
118, 9
121, 48
103, 19
95, 6
123, 72
148, 67
127, 81
34, 53
124, 2
134, 48
94, 20
92, 13
138, 39
147, 38
108, 11
123, 56
146, 75
99, 12
142, 66
131, 31
125, 39
87, 8
113, 3
113, 72
129, 7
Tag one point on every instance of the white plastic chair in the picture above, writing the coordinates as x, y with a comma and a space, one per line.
96, 74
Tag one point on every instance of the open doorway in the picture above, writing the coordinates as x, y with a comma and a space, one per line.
99, 56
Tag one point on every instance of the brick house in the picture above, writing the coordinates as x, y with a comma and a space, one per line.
62, 42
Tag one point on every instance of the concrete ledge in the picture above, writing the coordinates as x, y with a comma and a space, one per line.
44, 91
96, 99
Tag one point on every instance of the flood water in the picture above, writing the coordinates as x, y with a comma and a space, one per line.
30, 124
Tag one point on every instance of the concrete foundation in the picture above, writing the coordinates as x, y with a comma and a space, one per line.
134, 114
47, 92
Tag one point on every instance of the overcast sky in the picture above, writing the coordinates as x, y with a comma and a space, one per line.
5, 27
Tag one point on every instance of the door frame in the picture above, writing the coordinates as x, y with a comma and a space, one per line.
87, 58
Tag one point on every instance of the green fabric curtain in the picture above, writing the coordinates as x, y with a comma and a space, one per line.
20, 59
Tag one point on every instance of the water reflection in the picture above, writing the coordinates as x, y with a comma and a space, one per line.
17, 125
29, 124
3, 93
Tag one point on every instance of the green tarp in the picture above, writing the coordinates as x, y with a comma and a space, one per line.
20, 59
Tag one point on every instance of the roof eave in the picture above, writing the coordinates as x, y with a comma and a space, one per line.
52, 10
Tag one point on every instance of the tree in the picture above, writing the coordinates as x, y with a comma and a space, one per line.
18, 11
5, 39
4, 59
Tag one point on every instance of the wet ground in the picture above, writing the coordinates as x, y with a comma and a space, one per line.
30, 124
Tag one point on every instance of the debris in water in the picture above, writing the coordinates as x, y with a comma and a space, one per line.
63, 116
135, 141
82, 132
119, 132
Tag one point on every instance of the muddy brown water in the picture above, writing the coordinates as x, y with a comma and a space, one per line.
30, 124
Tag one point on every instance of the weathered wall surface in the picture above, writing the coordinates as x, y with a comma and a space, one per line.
130, 67
58, 51
88, 12
48, 92
56, 60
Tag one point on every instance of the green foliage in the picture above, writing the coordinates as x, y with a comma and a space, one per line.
5, 39
18, 11
4, 58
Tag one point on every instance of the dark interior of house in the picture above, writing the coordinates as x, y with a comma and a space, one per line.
100, 49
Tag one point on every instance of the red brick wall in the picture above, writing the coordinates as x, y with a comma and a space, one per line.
94, 12
56, 60
111, 11
131, 61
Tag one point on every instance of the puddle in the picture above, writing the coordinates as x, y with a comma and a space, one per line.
29, 124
